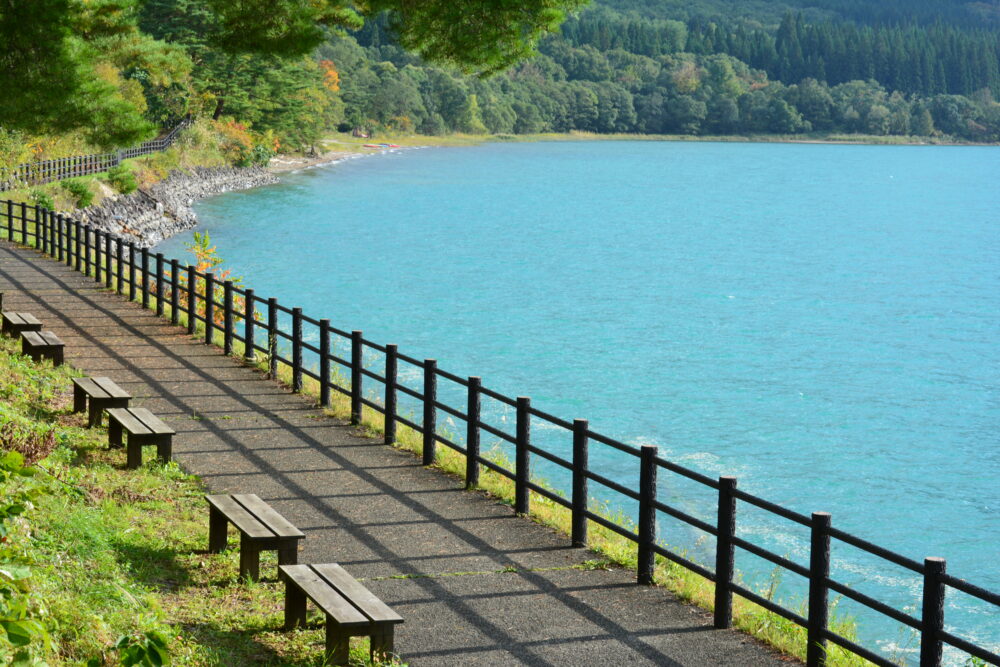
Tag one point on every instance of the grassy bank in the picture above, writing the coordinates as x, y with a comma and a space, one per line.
100, 565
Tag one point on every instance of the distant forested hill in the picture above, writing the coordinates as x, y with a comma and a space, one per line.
895, 67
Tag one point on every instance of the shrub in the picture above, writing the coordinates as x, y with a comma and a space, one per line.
80, 189
42, 199
122, 178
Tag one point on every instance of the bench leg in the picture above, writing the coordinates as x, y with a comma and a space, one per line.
381, 642
57, 357
94, 413
79, 399
295, 605
218, 531
249, 559
164, 448
288, 553
338, 643
133, 459
114, 433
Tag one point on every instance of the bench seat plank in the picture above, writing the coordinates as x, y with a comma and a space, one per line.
266, 514
245, 521
325, 597
41, 338
33, 338
22, 319
89, 386
50, 338
354, 591
140, 421
110, 389
124, 417
151, 421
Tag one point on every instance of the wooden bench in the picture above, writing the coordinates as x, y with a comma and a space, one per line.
102, 393
261, 529
42, 345
351, 609
144, 428
16, 323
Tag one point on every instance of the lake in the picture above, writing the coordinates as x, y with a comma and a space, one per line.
822, 321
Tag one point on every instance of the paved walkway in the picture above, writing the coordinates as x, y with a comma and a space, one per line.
371, 508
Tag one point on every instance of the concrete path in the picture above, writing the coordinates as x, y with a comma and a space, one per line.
374, 510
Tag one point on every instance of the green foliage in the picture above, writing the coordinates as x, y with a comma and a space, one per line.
42, 198
122, 178
148, 649
80, 189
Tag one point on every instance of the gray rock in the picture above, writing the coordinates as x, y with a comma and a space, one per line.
146, 217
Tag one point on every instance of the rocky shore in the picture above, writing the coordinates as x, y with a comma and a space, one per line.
164, 209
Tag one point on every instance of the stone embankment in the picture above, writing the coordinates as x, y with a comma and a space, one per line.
164, 209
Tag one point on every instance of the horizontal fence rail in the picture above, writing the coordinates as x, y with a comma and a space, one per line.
47, 171
278, 336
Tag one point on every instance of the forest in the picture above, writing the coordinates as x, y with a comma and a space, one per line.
616, 68
928, 68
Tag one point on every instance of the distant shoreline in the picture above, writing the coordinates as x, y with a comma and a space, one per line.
341, 146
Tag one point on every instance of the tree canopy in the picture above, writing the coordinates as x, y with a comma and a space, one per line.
67, 60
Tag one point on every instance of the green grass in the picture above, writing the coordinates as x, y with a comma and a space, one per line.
117, 553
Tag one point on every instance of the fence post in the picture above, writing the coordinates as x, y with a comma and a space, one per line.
933, 613
86, 250
57, 237
192, 299
133, 284
725, 553
472, 413
819, 593
10, 220
24, 222
581, 465
108, 273
272, 337
159, 284
389, 428
51, 234
522, 464
62, 237
119, 266
430, 410
227, 318
356, 377
647, 514
248, 326
144, 254
98, 267
209, 306
296, 349
41, 230
70, 242
174, 291
77, 249
324, 363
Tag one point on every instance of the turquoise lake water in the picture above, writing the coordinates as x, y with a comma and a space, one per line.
821, 321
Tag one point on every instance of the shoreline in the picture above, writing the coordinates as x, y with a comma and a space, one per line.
148, 217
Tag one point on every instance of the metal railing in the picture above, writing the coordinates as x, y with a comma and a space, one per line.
47, 171
226, 309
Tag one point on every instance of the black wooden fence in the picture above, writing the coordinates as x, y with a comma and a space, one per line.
148, 277
46, 171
